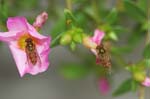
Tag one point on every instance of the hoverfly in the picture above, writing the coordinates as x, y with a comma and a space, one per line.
103, 55
31, 52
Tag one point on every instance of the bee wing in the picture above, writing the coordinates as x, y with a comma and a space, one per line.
38, 58
107, 45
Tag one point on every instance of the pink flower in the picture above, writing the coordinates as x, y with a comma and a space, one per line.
29, 48
146, 82
93, 42
104, 86
40, 20
98, 36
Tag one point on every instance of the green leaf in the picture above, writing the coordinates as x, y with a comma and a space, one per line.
134, 85
70, 19
112, 16
126, 86
112, 35
74, 71
146, 52
134, 11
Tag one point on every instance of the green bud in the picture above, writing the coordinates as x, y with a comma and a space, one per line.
77, 38
65, 39
139, 76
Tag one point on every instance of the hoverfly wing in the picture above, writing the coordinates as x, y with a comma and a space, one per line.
38, 58
35, 60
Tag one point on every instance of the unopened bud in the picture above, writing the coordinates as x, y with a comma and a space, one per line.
65, 39
77, 38
139, 76
40, 20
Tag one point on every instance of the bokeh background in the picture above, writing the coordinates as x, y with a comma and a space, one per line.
51, 84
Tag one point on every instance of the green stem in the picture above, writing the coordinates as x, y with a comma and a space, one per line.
55, 41
142, 92
69, 4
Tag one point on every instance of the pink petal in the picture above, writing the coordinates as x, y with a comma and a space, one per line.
17, 23
104, 85
98, 36
19, 57
33, 32
146, 82
8, 36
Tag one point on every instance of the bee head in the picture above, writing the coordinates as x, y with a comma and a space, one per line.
100, 49
28, 40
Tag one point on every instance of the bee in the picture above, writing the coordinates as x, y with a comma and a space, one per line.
104, 55
31, 52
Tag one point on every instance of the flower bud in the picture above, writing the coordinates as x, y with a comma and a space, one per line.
139, 76
40, 20
77, 38
65, 39
104, 86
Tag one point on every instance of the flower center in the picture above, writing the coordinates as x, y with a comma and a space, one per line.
24, 39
